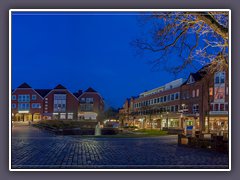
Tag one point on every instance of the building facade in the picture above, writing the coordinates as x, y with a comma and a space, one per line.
201, 102
91, 104
59, 103
27, 104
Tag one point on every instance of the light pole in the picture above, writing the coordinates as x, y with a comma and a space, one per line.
167, 119
161, 122
194, 125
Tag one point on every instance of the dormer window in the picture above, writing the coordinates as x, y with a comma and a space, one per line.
190, 80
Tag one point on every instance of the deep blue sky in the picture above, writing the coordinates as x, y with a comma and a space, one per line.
80, 51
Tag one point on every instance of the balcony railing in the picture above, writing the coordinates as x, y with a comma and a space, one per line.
218, 112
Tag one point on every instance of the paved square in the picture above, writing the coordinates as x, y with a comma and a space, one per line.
34, 148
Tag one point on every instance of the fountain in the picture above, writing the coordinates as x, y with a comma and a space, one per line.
98, 129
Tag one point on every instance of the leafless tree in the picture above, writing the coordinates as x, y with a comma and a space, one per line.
181, 39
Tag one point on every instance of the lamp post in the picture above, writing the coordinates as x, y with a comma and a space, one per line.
194, 125
161, 122
167, 119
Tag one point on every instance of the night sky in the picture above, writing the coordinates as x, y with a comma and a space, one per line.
81, 50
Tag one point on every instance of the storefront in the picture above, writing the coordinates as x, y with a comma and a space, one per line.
170, 123
218, 124
22, 117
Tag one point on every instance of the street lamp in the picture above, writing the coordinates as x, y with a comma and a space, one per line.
194, 125
161, 121
167, 119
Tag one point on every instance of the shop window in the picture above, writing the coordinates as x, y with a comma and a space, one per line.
62, 116
70, 115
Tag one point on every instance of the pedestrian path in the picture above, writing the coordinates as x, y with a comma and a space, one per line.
35, 148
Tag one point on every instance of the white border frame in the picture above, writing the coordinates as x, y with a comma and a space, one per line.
111, 10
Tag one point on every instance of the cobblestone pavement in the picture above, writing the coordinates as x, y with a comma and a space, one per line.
34, 148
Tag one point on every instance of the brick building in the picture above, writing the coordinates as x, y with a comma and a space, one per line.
91, 104
30, 104
201, 101
60, 103
27, 103
156, 108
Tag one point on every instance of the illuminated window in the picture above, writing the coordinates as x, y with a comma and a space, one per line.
70, 115
219, 93
197, 93
210, 91
193, 93
62, 115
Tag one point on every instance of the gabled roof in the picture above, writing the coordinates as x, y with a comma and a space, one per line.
77, 94
59, 86
90, 90
197, 76
43, 92
24, 85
